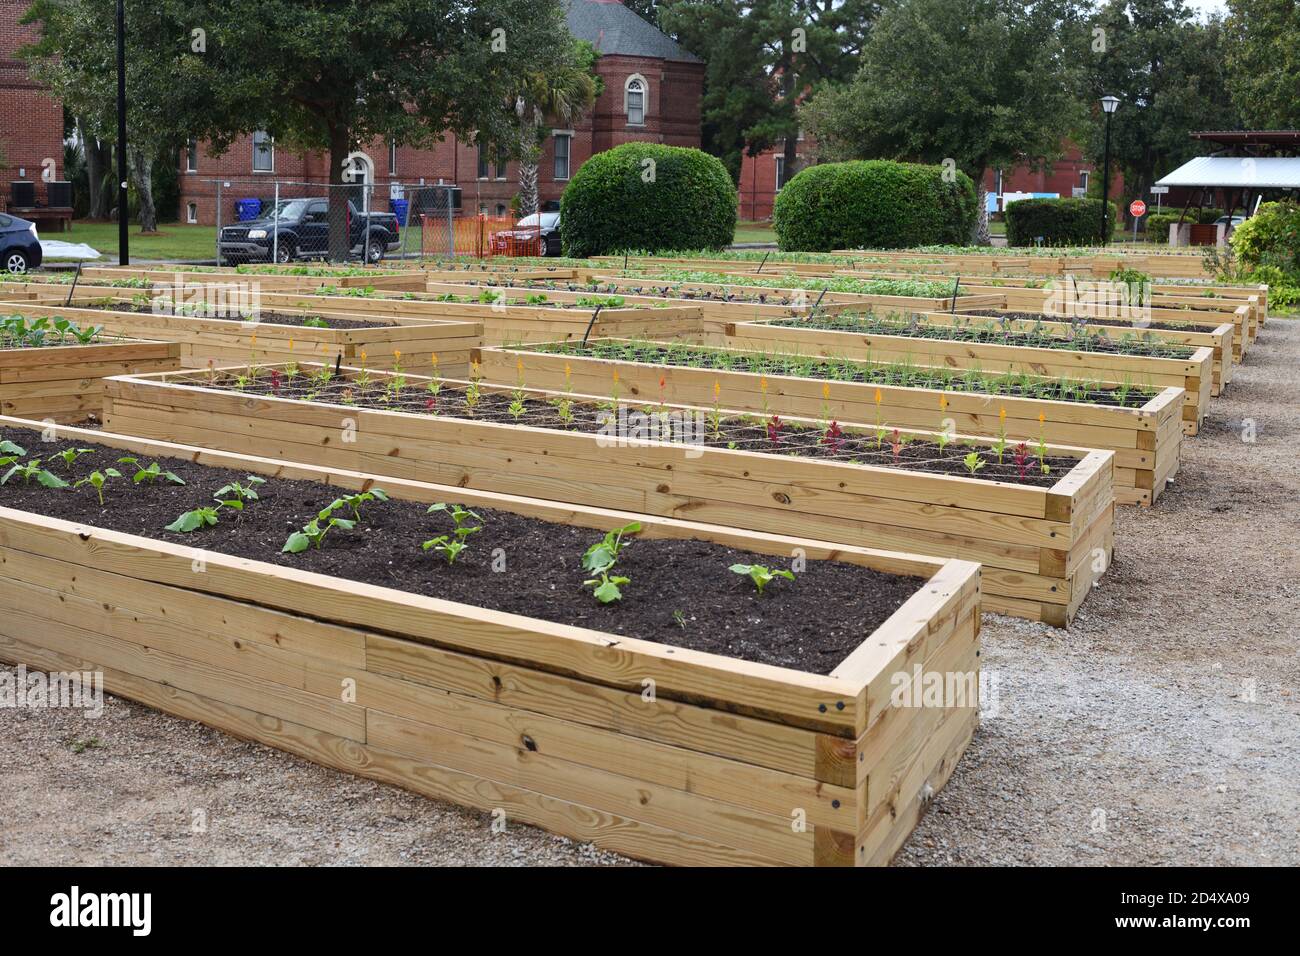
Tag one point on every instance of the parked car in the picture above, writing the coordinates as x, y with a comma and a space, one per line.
20, 247
300, 228
535, 235
1232, 221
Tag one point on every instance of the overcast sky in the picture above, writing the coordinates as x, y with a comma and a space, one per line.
1208, 6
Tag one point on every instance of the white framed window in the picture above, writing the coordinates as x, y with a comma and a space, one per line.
191, 212
392, 157
997, 182
1083, 180
780, 171
191, 155
482, 209
501, 169
263, 152
482, 162
563, 150
501, 209
635, 93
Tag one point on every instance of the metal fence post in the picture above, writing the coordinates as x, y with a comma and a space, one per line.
275, 225
451, 226
217, 242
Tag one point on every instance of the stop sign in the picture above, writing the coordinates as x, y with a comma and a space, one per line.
1137, 208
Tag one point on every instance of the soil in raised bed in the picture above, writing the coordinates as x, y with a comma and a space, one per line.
1019, 463
904, 374
990, 334
265, 316
682, 593
1165, 326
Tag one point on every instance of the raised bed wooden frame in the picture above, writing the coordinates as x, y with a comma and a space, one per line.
1042, 548
1147, 442
720, 764
1194, 374
65, 383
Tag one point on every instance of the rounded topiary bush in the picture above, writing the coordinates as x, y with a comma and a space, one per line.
1057, 222
876, 204
649, 197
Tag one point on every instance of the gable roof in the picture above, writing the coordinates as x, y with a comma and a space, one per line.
615, 30
1265, 172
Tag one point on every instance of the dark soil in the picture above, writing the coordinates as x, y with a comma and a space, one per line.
1089, 320
662, 291
862, 372
991, 334
682, 593
263, 317
771, 435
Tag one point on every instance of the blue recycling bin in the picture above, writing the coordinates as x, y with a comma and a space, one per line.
399, 207
246, 209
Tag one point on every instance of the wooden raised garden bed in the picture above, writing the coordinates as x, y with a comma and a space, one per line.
1146, 436
1191, 369
666, 753
1039, 541
205, 341
65, 382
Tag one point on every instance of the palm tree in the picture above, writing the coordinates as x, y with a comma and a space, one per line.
564, 94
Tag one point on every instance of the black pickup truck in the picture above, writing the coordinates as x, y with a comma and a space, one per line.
302, 228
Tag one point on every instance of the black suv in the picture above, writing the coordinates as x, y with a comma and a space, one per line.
302, 227
20, 248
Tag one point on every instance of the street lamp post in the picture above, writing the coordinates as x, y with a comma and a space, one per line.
123, 252
1109, 104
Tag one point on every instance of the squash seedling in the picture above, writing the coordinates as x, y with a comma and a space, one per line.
450, 546
314, 531
600, 559
29, 470
151, 473
760, 575
69, 456
238, 491
97, 480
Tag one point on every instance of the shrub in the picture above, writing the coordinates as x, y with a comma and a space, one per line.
1271, 237
1058, 222
647, 196
873, 204
1158, 223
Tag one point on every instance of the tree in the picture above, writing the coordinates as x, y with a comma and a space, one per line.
979, 84
563, 91
76, 56
761, 57
1167, 70
329, 75
1263, 61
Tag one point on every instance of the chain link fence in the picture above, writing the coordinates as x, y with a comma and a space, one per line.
285, 221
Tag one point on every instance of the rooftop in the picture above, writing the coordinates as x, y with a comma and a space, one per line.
615, 30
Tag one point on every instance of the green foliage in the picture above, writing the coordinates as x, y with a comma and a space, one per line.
872, 204
1271, 237
1263, 62
450, 546
647, 196
600, 559
97, 480
760, 575
1058, 222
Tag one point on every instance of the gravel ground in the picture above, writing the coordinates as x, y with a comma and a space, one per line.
1161, 728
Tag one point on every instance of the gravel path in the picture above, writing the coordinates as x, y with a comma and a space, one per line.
1163, 727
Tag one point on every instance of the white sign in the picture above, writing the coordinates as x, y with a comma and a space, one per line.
1159, 190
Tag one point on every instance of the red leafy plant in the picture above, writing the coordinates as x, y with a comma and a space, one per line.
774, 425
833, 438
1020, 455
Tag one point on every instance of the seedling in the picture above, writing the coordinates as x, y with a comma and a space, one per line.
69, 456
833, 437
356, 501
973, 462
450, 546
152, 472
238, 491
9, 448
97, 479
314, 531
606, 589
760, 575
602, 555
30, 470
446, 546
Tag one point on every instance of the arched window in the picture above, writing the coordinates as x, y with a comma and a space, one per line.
635, 94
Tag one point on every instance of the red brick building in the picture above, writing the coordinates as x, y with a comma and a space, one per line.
762, 175
31, 122
652, 90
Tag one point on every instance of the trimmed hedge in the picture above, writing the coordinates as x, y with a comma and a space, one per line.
647, 196
873, 204
1058, 222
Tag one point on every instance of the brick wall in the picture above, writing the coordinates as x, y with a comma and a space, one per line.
672, 116
31, 122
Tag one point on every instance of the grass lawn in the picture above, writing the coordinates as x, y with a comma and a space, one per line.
754, 232
174, 240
